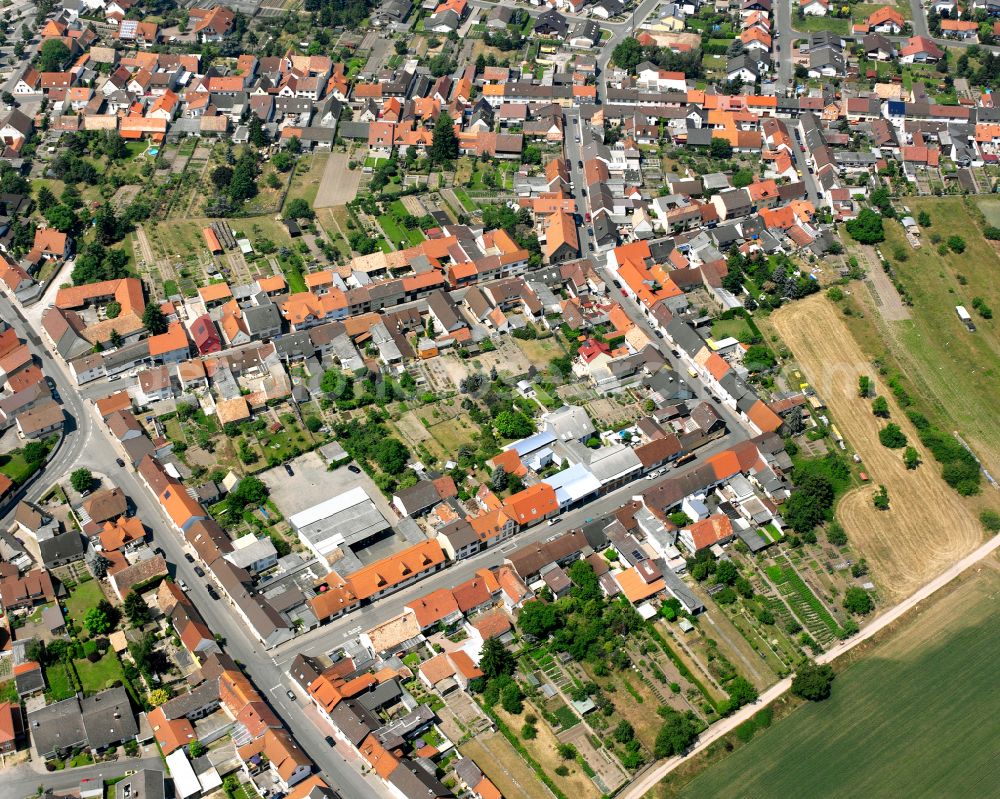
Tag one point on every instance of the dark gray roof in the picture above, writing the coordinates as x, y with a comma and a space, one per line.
61, 548
57, 726
144, 784
415, 783
108, 718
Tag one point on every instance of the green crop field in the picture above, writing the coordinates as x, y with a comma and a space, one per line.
916, 717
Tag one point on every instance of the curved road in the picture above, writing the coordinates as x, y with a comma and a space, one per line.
79, 426
648, 781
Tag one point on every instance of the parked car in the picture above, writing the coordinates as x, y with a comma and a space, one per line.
289, 694
183, 585
188, 557
329, 740
288, 471
199, 571
354, 469
120, 462
212, 592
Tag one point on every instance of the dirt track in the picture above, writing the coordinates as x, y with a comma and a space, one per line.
928, 526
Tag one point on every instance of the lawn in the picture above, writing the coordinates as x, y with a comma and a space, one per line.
95, 677
16, 467
59, 682
952, 370
308, 173
466, 200
83, 597
540, 351
736, 328
452, 434
811, 24
896, 724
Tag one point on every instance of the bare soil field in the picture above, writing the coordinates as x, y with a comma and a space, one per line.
339, 184
928, 526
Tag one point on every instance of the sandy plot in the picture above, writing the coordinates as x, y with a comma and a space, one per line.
928, 526
339, 184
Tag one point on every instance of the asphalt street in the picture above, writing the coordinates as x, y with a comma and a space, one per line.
78, 431
23, 781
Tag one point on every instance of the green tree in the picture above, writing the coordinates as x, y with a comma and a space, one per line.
956, 244
880, 407
720, 148
45, 199
741, 692
391, 455
675, 736
154, 320
81, 480
495, 660
627, 54
858, 601
499, 479
911, 458
726, 572
52, 56
529, 732
513, 424
813, 681
810, 502
62, 218
444, 145
258, 138
249, 492
990, 520
511, 698
195, 749
313, 424
891, 436
881, 498
299, 209
97, 622
136, 609
924, 219
221, 177
538, 619
624, 732
113, 310
866, 228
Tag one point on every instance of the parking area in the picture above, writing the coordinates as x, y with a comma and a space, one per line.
312, 484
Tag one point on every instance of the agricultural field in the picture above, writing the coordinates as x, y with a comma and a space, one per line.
895, 725
952, 370
907, 544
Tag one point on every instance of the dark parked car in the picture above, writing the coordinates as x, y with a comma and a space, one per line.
199, 571
188, 557
353, 468
120, 462
212, 592
329, 740
288, 471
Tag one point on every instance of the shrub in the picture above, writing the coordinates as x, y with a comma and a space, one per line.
891, 436
990, 519
813, 682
